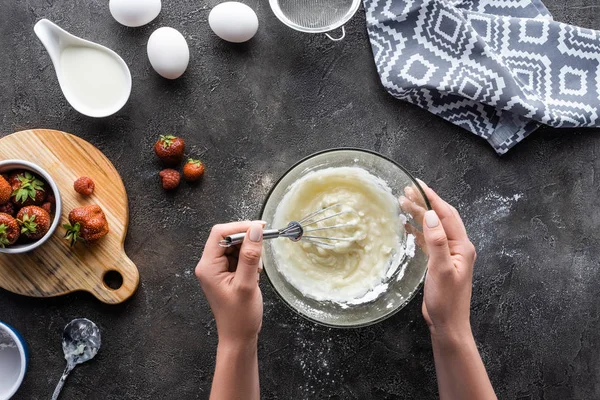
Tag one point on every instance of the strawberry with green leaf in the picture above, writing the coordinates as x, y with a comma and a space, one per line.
28, 189
34, 222
86, 224
9, 230
170, 149
193, 170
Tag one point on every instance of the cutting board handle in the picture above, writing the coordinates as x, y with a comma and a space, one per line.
118, 283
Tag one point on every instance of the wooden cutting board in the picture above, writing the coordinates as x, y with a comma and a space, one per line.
55, 268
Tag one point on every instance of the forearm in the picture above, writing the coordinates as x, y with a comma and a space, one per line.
236, 372
460, 371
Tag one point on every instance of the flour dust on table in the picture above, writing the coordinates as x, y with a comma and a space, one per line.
490, 209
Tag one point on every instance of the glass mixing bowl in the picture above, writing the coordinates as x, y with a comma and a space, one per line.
401, 287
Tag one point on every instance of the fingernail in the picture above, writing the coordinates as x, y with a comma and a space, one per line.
431, 219
256, 232
263, 223
409, 192
421, 182
401, 200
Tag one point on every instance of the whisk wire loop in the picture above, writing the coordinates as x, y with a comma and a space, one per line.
297, 230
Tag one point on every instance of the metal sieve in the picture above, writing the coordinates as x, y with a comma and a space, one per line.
315, 16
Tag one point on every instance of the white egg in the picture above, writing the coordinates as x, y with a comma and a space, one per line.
233, 21
168, 52
134, 13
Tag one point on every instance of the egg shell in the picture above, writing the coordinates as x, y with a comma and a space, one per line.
134, 13
233, 21
168, 52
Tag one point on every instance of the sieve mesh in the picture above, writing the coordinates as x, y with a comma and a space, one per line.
319, 15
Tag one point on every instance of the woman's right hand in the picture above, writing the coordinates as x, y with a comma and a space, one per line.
229, 278
448, 284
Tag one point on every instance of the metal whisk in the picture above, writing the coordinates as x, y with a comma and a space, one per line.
303, 230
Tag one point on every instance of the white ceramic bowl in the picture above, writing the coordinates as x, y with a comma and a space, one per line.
9, 165
13, 361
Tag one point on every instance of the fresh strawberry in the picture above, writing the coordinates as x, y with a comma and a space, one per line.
5, 190
8, 208
47, 206
86, 224
170, 178
13, 176
170, 149
9, 230
193, 170
84, 186
34, 222
50, 203
27, 188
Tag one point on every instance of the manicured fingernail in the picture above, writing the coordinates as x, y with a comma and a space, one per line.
409, 192
263, 223
431, 219
422, 183
402, 200
256, 232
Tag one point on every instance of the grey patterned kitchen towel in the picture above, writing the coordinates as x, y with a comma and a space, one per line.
498, 68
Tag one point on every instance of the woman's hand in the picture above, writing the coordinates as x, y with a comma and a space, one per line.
229, 278
447, 298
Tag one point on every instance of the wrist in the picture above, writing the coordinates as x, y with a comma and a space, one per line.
451, 335
233, 345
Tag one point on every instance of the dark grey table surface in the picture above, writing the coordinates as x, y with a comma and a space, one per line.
252, 110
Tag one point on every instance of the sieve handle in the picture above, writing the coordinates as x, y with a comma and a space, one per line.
337, 39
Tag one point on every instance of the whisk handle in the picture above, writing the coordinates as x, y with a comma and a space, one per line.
238, 238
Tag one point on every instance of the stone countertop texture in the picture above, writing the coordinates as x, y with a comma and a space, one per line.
250, 111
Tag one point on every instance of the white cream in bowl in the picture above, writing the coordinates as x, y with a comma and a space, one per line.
353, 269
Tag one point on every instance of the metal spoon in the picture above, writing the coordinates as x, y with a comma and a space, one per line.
81, 342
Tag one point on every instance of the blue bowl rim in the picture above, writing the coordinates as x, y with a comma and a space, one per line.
23, 350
